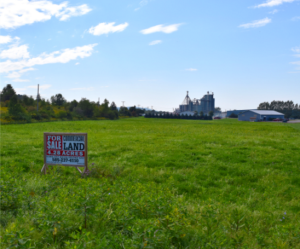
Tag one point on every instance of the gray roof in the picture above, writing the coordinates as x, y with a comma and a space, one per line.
265, 112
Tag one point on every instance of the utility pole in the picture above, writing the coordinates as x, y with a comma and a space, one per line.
37, 98
123, 103
98, 101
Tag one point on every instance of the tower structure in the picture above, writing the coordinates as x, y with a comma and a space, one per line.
186, 103
38, 98
205, 104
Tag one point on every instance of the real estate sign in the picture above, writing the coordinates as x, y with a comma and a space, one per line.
67, 149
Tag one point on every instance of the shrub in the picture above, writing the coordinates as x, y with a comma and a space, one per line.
45, 114
62, 114
36, 115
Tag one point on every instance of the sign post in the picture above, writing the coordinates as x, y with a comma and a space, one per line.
66, 149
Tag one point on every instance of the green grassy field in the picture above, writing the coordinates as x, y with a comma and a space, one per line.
154, 184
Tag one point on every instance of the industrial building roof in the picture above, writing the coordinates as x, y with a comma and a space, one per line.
266, 112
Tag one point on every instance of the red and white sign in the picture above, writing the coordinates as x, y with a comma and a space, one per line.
69, 149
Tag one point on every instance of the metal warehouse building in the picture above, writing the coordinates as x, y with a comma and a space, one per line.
259, 115
236, 112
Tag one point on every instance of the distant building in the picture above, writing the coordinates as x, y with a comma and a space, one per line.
220, 114
236, 112
205, 104
259, 115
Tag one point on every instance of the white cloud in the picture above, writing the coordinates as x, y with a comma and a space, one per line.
16, 13
73, 11
27, 69
296, 49
273, 12
62, 56
160, 28
296, 18
272, 3
16, 75
15, 69
7, 39
142, 4
77, 63
191, 69
105, 28
256, 24
155, 42
296, 63
15, 52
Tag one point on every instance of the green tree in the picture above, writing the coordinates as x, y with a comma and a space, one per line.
105, 104
43, 102
132, 111
58, 99
72, 105
124, 111
218, 109
112, 114
15, 110
28, 101
264, 106
211, 113
7, 93
113, 106
86, 106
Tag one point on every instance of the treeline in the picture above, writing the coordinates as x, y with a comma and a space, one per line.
288, 108
177, 116
26, 108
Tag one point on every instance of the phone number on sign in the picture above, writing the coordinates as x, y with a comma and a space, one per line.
63, 160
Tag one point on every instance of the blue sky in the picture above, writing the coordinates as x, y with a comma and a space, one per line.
150, 52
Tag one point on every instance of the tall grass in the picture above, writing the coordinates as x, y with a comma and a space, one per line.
154, 184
